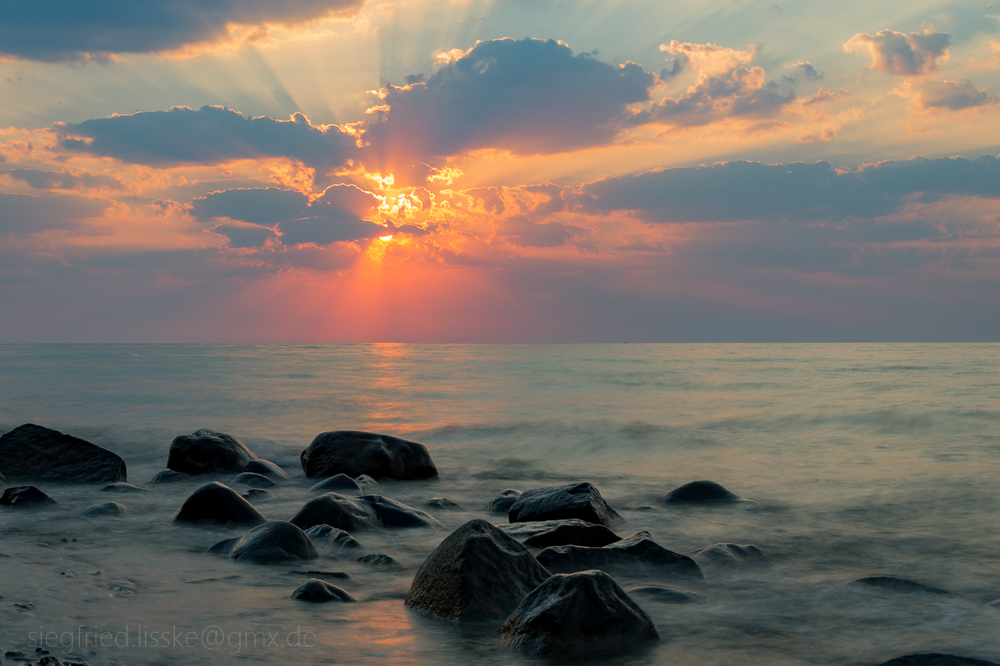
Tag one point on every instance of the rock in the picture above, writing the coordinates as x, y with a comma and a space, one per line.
569, 533
574, 500
331, 540
267, 468
253, 480
275, 541
255, 494
168, 476
341, 483
523, 531
360, 513
731, 554
638, 554
663, 594
577, 615
936, 659
216, 503
701, 492
380, 560
312, 573
893, 584
477, 573
105, 509
225, 546
208, 451
442, 503
352, 452
320, 591
502, 502
25, 497
367, 483
33, 453
123, 488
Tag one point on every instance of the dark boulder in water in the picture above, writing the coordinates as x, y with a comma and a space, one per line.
701, 492
523, 531
313, 573
123, 488
477, 573
574, 500
341, 483
106, 509
267, 468
25, 497
353, 453
380, 560
731, 554
168, 476
577, 615
208, 451
636, 554
442, 503
255, 494
253, 480
33, 453
502, 502
216, 503
664, 594
367, 483
330, 540
573, 533
936, 659
320, 591
225, 546
360, 513
901, 585
276, 541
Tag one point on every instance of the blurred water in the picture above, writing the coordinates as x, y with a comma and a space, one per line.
864, 459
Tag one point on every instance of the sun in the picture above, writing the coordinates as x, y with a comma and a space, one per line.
385, 238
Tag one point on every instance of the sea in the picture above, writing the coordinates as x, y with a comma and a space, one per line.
861, 460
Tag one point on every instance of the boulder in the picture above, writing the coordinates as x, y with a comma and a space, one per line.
380, 560
208, 451
731, 554
341, 483
574, 500
442, 504
312, 573
275, 541
360, 513
523, 531
353, 452
477, 573
573, 533
122, 488
33, 453
105, 509
330, 540
25, 497
225, 546
577, 615
638, 554
502, 502
901, 585
216, 503
255, 494
267, 468
936, 659
367, 483
663, 594
253, 480
168, 476
701, 492
320, 591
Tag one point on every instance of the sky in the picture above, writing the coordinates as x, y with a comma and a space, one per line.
508, 171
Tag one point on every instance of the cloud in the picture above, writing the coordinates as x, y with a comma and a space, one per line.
245, 235
62, 180
266, 206
954, 95
915, 54
27, 214
808, 70
68, 30
210, 135
520, 230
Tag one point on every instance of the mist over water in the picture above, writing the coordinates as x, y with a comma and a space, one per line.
863, 460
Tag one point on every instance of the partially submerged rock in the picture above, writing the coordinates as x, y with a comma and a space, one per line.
25, 497
106, 509
320, 591
33, 453
267, 468
638, 554
168, 476
936, 659
574, 500
663, 594
123, 488
360, 513
577, 615
255, 494
253, 480
380, 560
731, 554
330, 540
353, 452
442, 504
477, 573
902, 585
702, 492
340, 483
216, 503
275, 541
208, 451
573, 533
502, 502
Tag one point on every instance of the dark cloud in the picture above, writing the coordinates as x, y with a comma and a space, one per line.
954, 95
245, 235
266, 206
520, 230
210, 135
915, 54
69, 30
27, 214
61, 180
808, 71
326, 229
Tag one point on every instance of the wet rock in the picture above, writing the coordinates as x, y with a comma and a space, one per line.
255, 494
701, 492
522, 531
577, 615
168, 476
477, 573
353, 452
312, 573
638, 554
731, 554
253, 480
267, 468
360, 513
341, 483
573, 533
33, 453
275, 541
208, 451
25, 497
216, 503
106, 509
224, 547
367, 483
574, 500
123, 488
936, 659
893, 584
380, 560
442, 503
663, 594
330, 540
502, 502
320, 591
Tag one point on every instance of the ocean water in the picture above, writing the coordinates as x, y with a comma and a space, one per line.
863, 459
